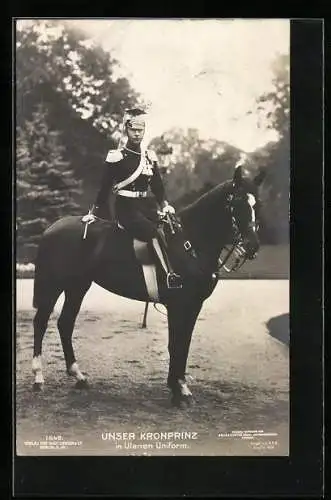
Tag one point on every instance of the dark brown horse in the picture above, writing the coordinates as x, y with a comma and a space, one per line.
66, 262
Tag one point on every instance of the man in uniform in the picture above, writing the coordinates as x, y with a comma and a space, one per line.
132, 173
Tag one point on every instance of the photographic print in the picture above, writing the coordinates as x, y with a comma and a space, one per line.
152, 177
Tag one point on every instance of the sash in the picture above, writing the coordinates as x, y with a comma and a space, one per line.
133, 176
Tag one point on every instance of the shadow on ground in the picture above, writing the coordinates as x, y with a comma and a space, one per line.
279, 328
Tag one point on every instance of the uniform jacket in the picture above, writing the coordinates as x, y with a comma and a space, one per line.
120, 164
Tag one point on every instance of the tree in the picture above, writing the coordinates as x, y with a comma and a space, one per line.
194, 165
274, 111
49, 54
59, 67
68, 97
216, 161
274, 106
46, 187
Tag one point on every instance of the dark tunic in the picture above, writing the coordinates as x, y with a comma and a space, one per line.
137, 215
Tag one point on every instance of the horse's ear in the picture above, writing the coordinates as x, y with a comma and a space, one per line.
259, 178
238, 175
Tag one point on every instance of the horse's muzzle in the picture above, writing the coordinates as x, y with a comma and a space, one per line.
251, 246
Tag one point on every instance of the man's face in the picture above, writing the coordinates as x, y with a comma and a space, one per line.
136, 133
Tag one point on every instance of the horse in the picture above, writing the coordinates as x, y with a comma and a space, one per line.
66, 262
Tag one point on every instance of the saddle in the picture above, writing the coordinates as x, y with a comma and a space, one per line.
145, 255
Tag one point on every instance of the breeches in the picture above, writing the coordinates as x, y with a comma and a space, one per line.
138, 216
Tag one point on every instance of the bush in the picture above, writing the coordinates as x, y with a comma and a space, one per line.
25, 270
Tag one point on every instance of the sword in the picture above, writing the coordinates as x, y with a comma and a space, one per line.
88, 220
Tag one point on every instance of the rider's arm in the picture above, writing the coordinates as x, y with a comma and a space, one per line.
107, 180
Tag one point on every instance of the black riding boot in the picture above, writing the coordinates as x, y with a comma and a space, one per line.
174, 280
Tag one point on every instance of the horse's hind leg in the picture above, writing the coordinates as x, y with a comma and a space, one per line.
40, 321
74, 295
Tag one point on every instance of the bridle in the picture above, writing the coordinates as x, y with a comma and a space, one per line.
236, 250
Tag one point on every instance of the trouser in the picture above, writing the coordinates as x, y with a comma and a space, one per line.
140, 219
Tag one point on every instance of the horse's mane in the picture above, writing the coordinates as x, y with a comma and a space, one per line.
207, 199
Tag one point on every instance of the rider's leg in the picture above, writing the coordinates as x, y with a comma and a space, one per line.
144, 229
160, 247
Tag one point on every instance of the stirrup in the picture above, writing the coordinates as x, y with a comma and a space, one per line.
174, 280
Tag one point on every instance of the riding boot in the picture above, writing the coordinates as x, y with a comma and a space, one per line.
174, 280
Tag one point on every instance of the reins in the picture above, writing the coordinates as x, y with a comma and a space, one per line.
235, 248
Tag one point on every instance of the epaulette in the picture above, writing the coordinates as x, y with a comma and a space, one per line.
114, 156
151, 155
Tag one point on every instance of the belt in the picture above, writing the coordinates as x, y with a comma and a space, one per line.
132, 194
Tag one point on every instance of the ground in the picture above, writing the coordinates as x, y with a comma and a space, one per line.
238, 372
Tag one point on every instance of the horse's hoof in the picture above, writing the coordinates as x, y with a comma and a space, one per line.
37, 387
82, 384
182, 401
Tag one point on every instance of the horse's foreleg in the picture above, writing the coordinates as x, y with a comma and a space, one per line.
73, 299
181, 321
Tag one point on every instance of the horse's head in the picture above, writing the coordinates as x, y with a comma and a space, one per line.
244, 204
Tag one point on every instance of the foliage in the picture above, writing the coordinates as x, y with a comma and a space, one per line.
76, 81
46, 187
69, 108
51, 55
274, 108
194, 165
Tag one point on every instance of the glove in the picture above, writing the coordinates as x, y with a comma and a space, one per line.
90, 217
168, 209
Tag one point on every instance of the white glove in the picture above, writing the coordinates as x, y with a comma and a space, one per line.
168, 209
89, 218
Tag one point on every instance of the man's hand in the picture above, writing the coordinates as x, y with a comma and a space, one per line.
168, 209
89, 218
